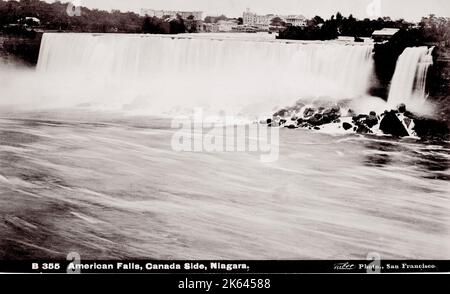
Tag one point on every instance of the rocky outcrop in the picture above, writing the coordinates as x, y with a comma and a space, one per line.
396, 123
431, 129
391, 125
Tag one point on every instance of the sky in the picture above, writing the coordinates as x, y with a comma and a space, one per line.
406, 9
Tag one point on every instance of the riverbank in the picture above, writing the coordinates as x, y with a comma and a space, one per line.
438, 82
20, 49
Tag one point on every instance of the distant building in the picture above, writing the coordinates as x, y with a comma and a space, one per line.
227, 25
196, 15
245, 29
384, 35
210, 27
295, 20
194, 25
262, 22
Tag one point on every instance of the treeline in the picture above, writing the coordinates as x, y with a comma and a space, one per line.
24, 33
154, 25
63, 17
60, 16
430, 29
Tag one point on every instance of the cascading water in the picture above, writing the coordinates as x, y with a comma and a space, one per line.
409, 80
162, 73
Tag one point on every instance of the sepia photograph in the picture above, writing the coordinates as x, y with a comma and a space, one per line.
224, 137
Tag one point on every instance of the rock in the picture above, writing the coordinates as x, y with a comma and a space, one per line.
281, 113
316, 119
331, 114
333, 109
292, 126
283, 121
391, 125
372, 120
401, 108
431, 129
316, 128
359, 117
308, 112
347, 126
304, 125
363, 129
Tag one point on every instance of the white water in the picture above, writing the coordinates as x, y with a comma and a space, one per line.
163, 74
409, 80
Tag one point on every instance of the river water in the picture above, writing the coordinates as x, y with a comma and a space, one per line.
110, 186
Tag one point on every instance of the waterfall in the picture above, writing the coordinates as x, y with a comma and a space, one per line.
163, 72
409, 80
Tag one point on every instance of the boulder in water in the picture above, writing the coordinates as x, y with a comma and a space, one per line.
316, 120
363, 129
391, 125
331, 114
359, 117
401, 108
371, 120
347, 126
308, 112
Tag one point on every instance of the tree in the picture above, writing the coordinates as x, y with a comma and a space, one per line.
221, 17
215, 19
277, 22
177, 25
